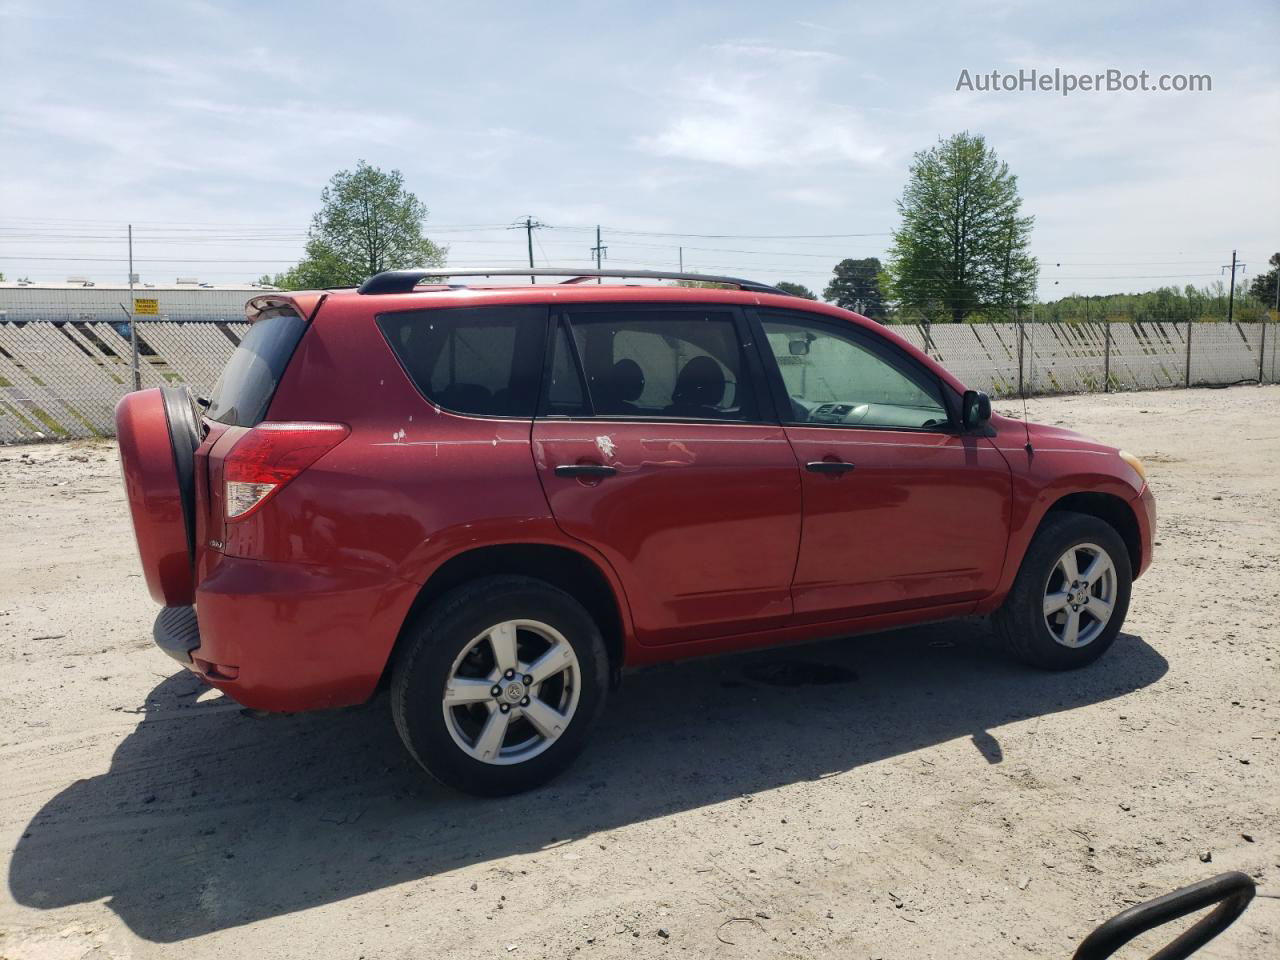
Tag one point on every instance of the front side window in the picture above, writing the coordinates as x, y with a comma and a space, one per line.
663, 364
835, 379
485, 361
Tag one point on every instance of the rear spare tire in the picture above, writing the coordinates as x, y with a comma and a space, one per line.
159, 430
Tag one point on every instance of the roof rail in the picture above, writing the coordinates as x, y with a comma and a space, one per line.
404, 281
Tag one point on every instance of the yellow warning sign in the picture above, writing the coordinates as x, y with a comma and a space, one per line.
144, 307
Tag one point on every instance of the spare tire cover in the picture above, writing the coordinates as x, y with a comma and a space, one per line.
158, 431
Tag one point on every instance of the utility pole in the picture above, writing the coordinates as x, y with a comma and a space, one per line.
133, 317
1231, 298
682, 259
599, 250
1262, 347
528, 224
1106, 346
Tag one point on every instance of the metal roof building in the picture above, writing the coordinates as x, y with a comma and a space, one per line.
186, 300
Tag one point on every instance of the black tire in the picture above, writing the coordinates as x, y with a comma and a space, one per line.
1020, 624
185, 435
427, 663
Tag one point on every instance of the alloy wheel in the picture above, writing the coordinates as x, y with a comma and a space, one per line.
1080, 595
512, 692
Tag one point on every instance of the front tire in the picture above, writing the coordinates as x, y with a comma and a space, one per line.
1071, 594
500, 685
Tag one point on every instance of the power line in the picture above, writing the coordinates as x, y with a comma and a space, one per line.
747, 236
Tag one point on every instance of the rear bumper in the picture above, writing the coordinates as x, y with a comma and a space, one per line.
1144, 508
288, 637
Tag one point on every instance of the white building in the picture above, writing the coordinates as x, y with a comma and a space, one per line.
187, 299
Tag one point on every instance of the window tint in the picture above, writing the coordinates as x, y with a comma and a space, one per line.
248, 382
663, 363
564, 393
478, 360
834, 379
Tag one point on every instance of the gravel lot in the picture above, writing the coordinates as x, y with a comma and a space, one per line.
937, 802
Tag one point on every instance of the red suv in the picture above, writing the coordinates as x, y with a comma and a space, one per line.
496, 498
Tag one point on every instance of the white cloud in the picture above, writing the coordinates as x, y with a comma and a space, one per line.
758, 107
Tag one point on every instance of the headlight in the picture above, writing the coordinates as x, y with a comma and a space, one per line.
1134, 462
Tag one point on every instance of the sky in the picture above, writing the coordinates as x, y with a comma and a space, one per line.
769, 140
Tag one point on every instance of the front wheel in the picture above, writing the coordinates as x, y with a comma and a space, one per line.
1071, 594
500, 685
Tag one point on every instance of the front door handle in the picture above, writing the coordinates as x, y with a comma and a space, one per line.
585, 470
836, 467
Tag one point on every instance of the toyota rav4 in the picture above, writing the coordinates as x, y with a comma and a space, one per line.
493, 499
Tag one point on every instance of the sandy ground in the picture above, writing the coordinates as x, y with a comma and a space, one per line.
938, 802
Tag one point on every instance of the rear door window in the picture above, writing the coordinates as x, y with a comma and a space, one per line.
249, 380
660, 363
484, 361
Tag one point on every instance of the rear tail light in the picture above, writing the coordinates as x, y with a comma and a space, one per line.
269, 456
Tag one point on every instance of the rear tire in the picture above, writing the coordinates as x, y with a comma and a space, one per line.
182, 414
500, 685
1071, 594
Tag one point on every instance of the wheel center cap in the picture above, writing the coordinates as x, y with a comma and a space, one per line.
514, 692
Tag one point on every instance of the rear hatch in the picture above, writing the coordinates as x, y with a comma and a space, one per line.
172, 453
238, 403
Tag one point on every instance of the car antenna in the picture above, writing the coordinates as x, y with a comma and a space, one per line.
1022, 389
1025, 424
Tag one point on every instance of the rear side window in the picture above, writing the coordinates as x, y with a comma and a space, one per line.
485, 361
249, 380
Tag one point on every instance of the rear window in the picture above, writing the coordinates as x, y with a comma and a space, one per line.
485, 361
248, 382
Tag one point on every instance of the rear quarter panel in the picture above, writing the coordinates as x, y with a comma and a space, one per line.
410, 486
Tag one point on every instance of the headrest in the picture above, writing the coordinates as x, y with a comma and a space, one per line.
626, 380
700, 383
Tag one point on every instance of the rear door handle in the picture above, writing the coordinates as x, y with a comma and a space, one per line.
829, 466
585, 470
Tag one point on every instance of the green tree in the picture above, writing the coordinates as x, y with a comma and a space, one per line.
368, 222
1264, 284
856, 286
963, 242
796, 289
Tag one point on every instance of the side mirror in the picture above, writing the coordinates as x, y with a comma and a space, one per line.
975, 409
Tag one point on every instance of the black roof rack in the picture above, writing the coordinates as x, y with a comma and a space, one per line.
404, 281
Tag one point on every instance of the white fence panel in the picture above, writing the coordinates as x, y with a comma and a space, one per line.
62, 380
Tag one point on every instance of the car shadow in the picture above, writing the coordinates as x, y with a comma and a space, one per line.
208, 819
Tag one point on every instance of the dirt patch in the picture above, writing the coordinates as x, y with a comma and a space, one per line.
942, 804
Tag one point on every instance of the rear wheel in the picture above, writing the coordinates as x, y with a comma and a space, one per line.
500, 685
1071, 594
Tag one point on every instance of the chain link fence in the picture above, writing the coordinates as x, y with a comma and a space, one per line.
62, 380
